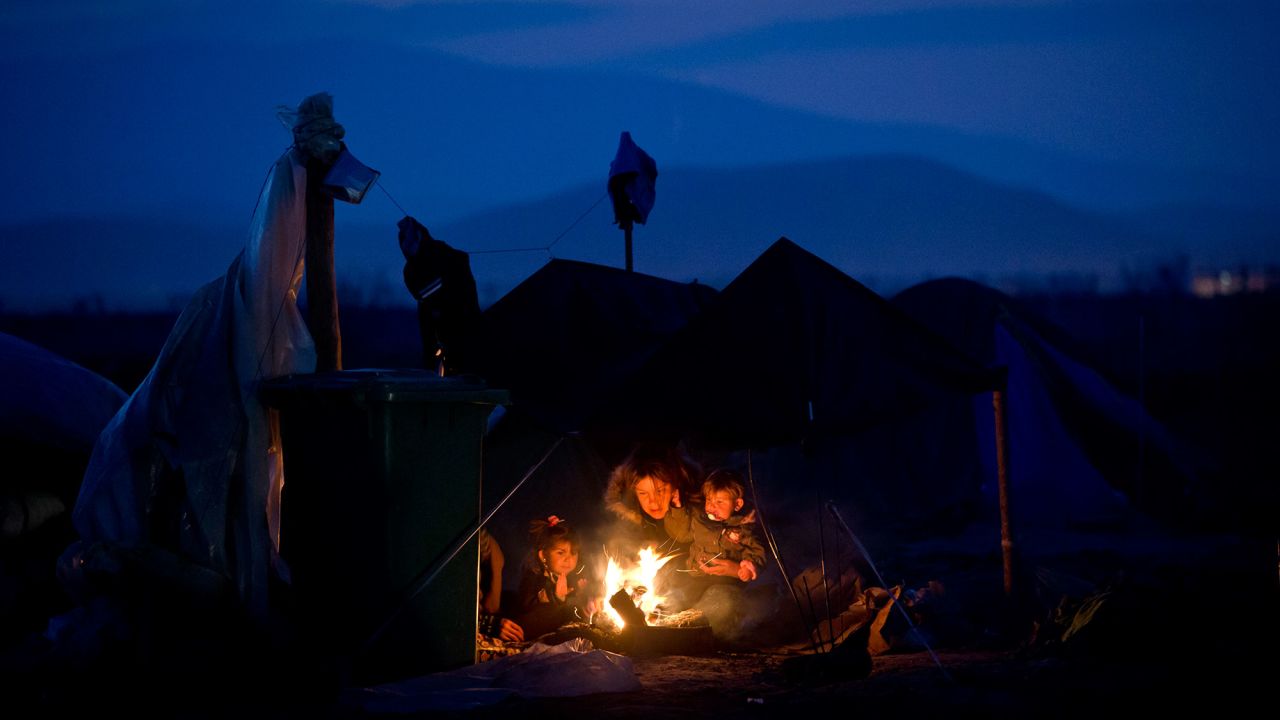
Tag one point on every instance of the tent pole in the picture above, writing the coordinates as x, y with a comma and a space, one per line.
773, 545
816, 635
1002, 479
826, 587
322, 287
429, 573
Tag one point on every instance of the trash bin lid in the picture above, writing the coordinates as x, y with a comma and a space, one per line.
378, 385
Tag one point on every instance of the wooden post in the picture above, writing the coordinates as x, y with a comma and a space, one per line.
627, 232
322, 286
1002, 479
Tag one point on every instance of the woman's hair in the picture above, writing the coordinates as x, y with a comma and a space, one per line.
663, 463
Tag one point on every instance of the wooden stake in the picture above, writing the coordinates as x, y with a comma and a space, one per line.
627, 232
1002, 479
322, 286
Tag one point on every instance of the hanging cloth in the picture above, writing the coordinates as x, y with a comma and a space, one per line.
633, 176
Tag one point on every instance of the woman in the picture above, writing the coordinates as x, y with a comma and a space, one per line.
641, 492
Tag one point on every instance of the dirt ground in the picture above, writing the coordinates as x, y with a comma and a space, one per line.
979, 683
1196, 635
976, 683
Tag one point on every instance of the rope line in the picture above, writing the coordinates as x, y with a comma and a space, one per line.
543, 248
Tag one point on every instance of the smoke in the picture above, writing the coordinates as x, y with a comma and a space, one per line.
744, 613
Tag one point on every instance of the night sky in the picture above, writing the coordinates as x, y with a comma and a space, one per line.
160, 115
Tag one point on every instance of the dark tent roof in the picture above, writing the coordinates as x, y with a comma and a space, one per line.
563, 338
560, 342
963, 311
1115, 436
51, 401
50, 417
792, 348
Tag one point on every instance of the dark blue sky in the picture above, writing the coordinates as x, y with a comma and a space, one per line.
164, 110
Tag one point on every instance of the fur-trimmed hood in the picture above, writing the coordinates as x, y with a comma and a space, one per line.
621, 500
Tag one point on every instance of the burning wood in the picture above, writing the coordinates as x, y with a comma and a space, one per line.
637, 612
635, 582
692, 617
626, 608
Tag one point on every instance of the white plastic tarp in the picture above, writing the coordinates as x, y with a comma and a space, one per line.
193, 450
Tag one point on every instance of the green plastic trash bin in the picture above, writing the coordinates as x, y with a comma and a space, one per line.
382, 478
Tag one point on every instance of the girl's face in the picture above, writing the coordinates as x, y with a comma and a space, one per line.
561, 558
654, 497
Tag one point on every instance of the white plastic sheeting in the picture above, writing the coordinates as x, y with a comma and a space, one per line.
191, 463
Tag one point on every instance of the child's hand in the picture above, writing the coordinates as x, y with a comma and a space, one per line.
746, 571
562, 587
509, 631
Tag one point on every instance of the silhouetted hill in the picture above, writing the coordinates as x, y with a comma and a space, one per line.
887, 220
200, 133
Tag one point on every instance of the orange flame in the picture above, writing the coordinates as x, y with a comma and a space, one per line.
640, 574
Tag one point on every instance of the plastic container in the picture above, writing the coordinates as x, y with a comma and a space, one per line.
382, 478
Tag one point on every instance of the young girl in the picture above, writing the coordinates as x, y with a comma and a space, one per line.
554, 588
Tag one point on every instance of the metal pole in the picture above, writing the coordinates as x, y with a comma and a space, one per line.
1142, 403
772, 544
835, 513
429, 574
627, 233
826, 587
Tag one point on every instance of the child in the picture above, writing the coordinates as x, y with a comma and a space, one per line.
722, 541
554, 590
490, 623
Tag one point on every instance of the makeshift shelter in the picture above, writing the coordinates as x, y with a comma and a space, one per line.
561, 342
795, 351
189, 467
572, 331
51, 415
812, 375
1082, 452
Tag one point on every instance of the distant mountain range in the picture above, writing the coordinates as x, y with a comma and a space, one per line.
888, 220
457, 137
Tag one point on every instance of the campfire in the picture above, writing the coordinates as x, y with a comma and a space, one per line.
635, 610
636, 584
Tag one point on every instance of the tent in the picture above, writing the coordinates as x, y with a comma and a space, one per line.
793, 348
1081, 452
560, 342
795, 351
572, 331
52, 413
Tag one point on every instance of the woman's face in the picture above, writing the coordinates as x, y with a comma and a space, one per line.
654, 497
561, 558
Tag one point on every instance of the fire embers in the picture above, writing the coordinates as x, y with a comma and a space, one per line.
684, 633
